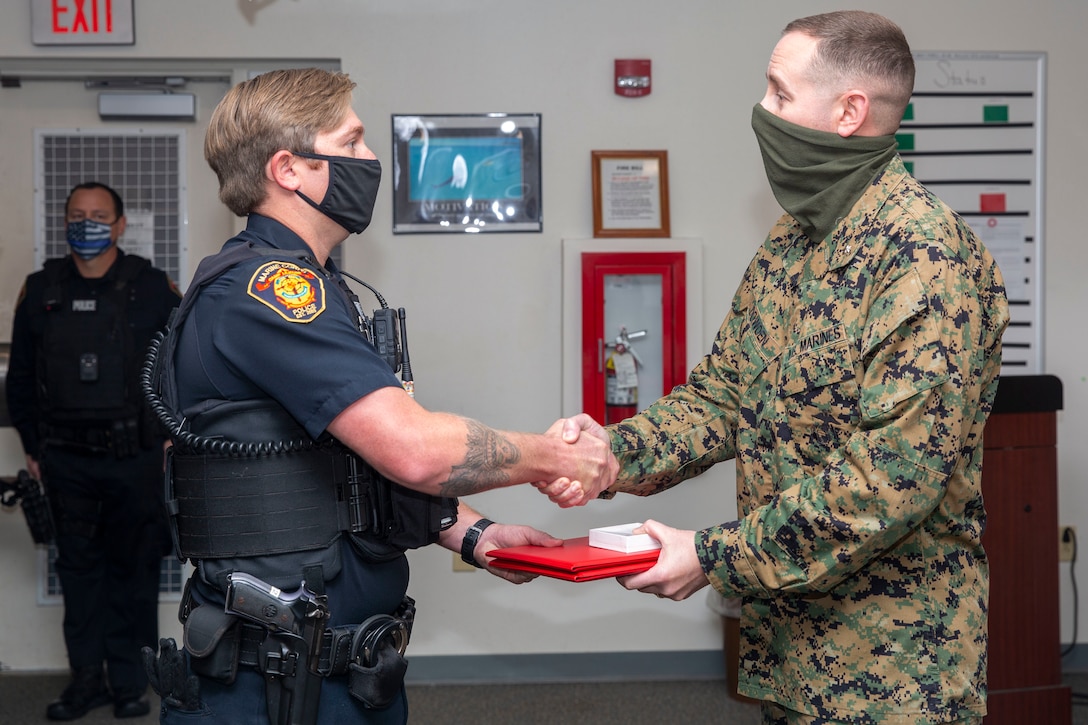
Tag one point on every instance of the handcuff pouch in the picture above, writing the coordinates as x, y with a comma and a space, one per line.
376, 672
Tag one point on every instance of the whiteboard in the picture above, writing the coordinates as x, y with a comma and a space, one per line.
974, 134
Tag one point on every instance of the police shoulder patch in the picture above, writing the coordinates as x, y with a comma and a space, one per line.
296, 294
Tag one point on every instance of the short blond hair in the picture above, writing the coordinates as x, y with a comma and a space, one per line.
281, 109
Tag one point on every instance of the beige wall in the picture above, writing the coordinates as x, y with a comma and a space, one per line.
487, 337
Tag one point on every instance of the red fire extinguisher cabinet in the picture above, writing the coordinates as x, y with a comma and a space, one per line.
605, 271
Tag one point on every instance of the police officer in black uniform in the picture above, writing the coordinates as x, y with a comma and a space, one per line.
302, 468
82, 326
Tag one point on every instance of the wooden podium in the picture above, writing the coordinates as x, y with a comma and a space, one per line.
1020, 490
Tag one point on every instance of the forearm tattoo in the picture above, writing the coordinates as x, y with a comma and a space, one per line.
486, 461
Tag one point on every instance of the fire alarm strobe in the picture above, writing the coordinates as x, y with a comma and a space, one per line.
633, 78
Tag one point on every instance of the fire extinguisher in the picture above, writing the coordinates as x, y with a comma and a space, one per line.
621, 379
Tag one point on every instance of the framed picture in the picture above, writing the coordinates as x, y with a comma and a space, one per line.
630, 193
466, 173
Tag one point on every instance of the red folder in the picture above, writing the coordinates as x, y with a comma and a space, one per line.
574, 561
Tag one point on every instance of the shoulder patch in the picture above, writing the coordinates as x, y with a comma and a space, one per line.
296, 294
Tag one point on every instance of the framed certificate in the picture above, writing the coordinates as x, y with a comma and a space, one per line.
630, 194
466, 173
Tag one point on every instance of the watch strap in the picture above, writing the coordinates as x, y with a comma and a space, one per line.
472, 536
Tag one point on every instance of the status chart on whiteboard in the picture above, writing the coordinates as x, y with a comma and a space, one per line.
974, 134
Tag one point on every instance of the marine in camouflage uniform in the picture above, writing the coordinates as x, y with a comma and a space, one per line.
851, 382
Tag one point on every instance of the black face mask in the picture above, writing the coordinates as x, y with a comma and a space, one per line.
353, 189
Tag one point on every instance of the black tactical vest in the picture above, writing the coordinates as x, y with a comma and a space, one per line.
87, 359
245, 480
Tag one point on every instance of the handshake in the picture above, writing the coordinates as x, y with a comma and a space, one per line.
571, 463
588, 462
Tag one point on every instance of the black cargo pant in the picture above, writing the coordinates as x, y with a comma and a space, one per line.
111, 537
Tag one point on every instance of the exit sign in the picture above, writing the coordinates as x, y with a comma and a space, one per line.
82, 22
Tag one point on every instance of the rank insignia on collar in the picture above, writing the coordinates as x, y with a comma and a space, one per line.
296, 294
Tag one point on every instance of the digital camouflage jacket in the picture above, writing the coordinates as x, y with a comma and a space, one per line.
851, 382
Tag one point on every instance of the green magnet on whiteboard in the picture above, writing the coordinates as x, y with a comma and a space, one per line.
995, 114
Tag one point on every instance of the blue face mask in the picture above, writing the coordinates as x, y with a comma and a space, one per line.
89, 238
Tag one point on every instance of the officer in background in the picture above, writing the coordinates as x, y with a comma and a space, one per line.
302, 467
82, 326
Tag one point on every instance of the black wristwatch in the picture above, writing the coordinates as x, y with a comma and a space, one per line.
468, 544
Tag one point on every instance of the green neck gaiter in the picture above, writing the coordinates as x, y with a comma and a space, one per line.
815, 175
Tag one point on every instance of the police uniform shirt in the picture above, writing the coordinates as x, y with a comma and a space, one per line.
851, 381
152, 297
279, 328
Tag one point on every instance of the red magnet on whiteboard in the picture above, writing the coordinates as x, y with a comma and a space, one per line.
991, 203
633, 78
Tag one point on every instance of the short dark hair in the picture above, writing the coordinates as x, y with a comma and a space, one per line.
118, 205
854, 45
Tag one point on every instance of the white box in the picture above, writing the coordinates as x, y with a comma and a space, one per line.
621, 538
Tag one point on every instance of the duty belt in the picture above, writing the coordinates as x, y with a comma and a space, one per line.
340, 646
335, 649
97, 437
121, 436
283, 636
